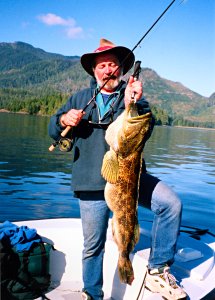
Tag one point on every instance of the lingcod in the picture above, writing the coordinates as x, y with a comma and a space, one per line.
121, 168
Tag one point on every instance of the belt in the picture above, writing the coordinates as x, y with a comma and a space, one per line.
90, 195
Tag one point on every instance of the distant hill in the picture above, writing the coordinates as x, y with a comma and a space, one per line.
36, 81
17, 55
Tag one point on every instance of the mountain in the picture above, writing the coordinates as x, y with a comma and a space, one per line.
19, 54
37, 81
178, 100
22, 65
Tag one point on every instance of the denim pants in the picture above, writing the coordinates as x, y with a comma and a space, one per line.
95, 215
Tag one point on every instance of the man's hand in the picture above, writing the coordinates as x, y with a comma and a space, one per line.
133, 91
72, 117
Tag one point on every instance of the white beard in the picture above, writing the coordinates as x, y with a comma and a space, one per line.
110, 85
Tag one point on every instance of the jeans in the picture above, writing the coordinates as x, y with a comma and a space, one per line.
95, 214
167, 209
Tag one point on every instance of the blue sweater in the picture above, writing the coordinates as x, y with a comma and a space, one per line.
22, 238
89, 139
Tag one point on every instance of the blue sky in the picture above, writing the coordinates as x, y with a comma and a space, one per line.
181, 47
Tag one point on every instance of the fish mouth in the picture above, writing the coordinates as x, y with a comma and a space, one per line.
132, 119
132, 113
133, 116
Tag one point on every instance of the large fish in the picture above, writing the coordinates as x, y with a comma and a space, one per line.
121, 169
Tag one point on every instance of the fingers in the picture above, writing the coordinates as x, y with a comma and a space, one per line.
130, 81
72, 117
135, 87
133, 90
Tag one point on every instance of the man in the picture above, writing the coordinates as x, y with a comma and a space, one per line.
108, 63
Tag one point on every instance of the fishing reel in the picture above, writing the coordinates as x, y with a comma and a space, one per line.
65, 144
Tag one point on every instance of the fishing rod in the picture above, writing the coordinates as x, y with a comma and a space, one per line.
65, 144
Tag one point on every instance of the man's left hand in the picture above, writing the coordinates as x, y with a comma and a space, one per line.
133, 91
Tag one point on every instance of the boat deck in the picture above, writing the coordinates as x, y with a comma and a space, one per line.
196, 275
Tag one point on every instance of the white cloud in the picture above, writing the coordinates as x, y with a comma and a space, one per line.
52, 20
72, 31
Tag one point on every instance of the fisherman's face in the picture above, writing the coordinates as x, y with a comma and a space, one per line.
105, 66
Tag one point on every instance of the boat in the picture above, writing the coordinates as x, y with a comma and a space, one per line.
194, 264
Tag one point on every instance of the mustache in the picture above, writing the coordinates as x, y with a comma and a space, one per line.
110, 77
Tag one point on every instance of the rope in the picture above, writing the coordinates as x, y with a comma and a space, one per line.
142, 288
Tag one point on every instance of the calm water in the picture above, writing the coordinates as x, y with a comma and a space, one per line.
35, 183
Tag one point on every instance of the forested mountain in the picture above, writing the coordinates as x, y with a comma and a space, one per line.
38, 82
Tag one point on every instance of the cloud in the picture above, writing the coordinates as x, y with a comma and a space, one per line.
72, 31
52, 20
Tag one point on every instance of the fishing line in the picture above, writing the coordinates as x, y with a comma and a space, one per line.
194, 229
139, 42
147, 32
143, 285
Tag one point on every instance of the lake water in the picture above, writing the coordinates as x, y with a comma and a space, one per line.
35, 183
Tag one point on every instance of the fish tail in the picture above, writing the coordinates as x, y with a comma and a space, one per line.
125, 269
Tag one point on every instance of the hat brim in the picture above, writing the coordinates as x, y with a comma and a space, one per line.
125, 56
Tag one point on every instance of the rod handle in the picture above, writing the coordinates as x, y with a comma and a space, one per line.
136, 73
137, 70
66, 130
52, 147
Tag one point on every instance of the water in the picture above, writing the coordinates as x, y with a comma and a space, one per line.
35, 183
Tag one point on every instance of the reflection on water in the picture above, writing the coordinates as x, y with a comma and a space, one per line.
184, 158
35, 183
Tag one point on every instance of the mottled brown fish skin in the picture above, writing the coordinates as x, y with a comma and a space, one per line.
121, 198
122, 194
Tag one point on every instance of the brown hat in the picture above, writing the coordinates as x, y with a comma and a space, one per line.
124, 55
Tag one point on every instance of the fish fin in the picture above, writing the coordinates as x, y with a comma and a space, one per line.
125, 270
110, 167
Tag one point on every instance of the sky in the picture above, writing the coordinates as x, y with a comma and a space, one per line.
181, 46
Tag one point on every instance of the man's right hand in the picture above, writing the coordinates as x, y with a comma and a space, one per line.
72, 117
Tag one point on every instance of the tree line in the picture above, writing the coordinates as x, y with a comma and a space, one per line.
46, 103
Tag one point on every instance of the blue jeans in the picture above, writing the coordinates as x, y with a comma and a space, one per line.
95, 214
167, 209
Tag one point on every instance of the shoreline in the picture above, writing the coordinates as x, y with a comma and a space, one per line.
20, 113
192, 127
177, 126
12, 112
